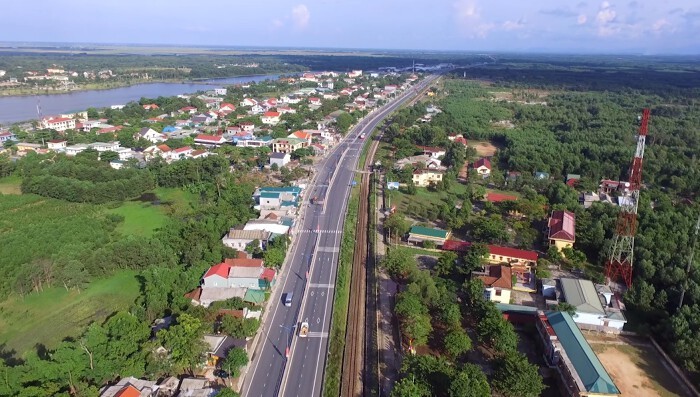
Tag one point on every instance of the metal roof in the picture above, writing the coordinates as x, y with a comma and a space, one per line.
426, 231
589, 369
582, 295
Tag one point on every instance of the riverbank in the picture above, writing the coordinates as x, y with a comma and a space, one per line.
28, 91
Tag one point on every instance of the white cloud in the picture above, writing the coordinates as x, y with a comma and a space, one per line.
582, 19
606, 20
469, 19
660, 25
301, 16
513, 25
276, 23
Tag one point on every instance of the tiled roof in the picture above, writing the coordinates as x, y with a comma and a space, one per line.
128, 391
268, 274
498, 197
482, 161
222, 270
499, 277
513, 253
562, 225
588, 367
582, 295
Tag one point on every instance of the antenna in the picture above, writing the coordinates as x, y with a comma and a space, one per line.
621, 258
684, 287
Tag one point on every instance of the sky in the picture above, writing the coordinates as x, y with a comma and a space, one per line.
568, 26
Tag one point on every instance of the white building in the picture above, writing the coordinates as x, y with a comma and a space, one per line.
59, 124
281, 159
590, 312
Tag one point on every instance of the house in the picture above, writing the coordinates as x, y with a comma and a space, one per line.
287, 145
201, 153
566, 350
151, 106
218, 349
56, 144
25, 146
59, 124
75, 149
539, 175
117, 164
273, 227
292, 192
482, 167
247, 126
256, 142
7, 136
423, 162
202, 119
433, 152
497, 283
188, 110
270, 118
105, 146
562, 229
109, 130
227, 107
318, 149
239, 272
281, 159
239, 239
313, 101
209, 140
301, 135
220, 91
420, 234
248, 102
154, 151
427, 177
180, 153
150, 135
590, 313
572, 179
130, 387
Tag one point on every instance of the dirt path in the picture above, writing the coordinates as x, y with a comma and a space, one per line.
628, 377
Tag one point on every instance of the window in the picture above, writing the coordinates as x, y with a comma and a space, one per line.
498, 292
487, 295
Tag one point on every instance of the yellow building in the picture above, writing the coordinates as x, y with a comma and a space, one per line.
562, 229
423, 178
287, 145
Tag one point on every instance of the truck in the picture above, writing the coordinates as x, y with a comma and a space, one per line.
362, 136
304, 329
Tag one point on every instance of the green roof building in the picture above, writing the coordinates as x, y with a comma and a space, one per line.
254, 296
420, 234
581, 373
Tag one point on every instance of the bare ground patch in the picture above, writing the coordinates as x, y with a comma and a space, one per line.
635, 367
484, 148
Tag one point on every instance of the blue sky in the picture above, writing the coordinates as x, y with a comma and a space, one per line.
637, 26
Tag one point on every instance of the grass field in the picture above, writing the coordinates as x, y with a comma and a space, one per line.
48, 317
10, 185
178, 201
140, 218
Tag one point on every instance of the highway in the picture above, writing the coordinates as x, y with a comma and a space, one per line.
314, 252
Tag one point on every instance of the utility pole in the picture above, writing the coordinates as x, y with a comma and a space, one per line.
684, 287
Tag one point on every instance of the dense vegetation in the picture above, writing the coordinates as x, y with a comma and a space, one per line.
587, 126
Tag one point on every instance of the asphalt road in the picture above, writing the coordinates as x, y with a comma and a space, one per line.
314, 251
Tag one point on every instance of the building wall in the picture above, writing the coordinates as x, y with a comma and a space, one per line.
561, 244
215, 281
236, 243
279, 162
423, 180
244, 282
497, 295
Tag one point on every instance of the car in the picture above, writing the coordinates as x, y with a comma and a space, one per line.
220, 373
288, 299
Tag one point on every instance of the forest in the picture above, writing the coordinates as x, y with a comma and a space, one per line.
582, 118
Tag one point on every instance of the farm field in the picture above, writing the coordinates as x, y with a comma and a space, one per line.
10, 185
47, 317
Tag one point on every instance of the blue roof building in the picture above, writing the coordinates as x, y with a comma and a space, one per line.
169, 128
581, 373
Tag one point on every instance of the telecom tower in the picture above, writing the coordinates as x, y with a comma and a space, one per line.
621, 258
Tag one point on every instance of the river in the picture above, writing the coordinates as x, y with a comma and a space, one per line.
22, 108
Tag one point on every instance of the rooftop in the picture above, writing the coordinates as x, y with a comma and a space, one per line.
562, 225
426, 231
594, 377
582, 295
498, 277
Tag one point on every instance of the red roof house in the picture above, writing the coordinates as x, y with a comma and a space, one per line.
128, 391
562, 228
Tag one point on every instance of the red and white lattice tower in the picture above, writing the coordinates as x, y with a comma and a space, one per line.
619, 264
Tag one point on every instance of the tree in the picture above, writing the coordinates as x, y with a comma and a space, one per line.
274, 167
184, 341
495, 331
565, 307
236, 358
470, 381
445, 264
514, 376
413, 316
396, 224
429, 244
399, 263
457, 342
108, 156
475, 258
226, 392
410, 388
343, 122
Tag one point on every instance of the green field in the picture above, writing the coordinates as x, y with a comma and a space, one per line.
140, 219
179, 201
48, 317
10, 185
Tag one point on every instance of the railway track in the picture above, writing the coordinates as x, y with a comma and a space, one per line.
353, 356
